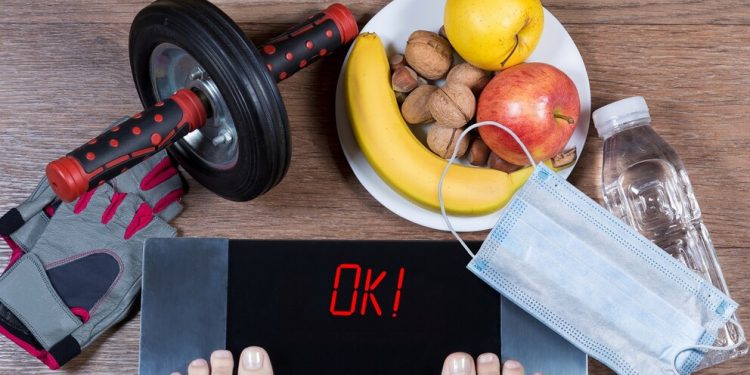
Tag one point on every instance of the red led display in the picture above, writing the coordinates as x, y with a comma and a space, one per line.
368, 296
397, 299
337, 280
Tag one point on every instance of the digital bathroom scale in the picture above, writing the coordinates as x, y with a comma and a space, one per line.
343, 307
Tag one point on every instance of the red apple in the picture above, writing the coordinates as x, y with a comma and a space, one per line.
535, 100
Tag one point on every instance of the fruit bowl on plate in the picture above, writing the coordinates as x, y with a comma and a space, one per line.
393, 25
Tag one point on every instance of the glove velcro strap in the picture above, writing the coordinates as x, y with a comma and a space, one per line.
65, 350
10, 222
27, 292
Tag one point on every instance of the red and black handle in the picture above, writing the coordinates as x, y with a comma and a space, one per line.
154, 129
126, 145
305, 43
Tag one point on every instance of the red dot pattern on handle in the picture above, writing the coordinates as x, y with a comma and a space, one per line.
309, 44
270, 68
158, 118
269, 49
329, 33
303, 63
90, 156
136, 130
323, 52
93, 141
138, 115
116, 129
289, 56
283, 75
159, 104
155, 139
114, 143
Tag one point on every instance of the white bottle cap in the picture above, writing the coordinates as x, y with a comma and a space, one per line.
611, 118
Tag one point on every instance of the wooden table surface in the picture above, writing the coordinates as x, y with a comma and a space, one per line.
64, 74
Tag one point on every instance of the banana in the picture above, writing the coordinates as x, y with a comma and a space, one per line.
398, 157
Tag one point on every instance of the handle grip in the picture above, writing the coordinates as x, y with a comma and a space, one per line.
303, 44
126, 145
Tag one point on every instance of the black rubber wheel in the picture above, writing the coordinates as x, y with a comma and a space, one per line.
236, 67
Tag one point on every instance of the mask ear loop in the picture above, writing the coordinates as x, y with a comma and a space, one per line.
706, 348
453, 159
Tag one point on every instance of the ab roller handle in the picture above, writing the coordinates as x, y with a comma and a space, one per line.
156, 128
126, 145
305, 43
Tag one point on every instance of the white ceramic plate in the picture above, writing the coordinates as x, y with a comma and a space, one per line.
394, 24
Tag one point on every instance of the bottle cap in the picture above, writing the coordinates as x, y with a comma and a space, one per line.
611, 118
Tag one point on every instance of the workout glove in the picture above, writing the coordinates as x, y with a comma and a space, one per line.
76, 267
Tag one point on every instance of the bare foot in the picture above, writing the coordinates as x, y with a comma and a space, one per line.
487, 364
253, 361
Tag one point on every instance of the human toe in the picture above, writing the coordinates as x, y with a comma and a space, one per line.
459, 364
511, 367
488, 364
198, 367
222, 362
254, 360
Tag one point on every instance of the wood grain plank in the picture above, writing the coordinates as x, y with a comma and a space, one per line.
65, 75
623, 12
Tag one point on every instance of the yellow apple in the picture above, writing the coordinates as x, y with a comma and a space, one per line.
494, 34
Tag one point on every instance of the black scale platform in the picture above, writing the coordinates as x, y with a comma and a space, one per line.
327, 307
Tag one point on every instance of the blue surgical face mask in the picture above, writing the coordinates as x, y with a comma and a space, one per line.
595, 281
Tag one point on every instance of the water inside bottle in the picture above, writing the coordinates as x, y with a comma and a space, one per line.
646, 185
652, 194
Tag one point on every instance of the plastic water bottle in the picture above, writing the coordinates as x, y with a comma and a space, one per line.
645, 184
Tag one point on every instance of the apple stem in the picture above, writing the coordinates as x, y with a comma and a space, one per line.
563, 117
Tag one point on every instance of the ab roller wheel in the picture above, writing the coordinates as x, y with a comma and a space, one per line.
211, 100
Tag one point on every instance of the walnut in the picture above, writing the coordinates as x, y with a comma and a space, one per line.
429, 54
415, 109
469, 75
442, 141
452, 105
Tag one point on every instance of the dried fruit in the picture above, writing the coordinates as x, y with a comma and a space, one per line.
479, 153
429, 54
442, 141
415, 109
452, 105
496, 162
469, 75
565, 158
404, 79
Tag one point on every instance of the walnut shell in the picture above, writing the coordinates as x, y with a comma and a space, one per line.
415, 109
469, 75
453, 105
429, 54
442, 141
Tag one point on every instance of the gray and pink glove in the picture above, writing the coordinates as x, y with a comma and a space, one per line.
75, 269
